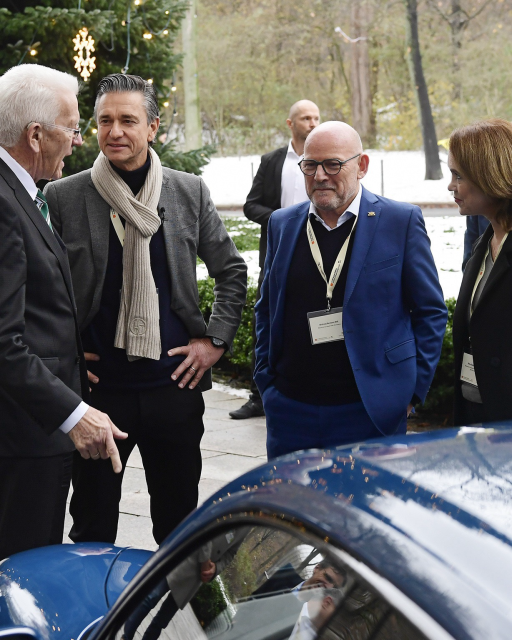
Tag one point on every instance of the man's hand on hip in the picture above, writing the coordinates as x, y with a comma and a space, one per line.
93, 436
201, 355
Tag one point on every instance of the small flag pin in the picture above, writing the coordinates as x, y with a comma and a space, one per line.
371, 213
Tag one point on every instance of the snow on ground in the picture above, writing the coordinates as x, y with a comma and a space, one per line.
395, 174
446, 235
230, 179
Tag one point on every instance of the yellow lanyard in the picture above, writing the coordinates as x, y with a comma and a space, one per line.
118, 226
338, 265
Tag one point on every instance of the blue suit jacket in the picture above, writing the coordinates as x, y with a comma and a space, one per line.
394, 315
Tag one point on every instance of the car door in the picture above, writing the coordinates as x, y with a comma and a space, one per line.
255, 577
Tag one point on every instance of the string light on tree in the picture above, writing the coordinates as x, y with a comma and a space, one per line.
84, 62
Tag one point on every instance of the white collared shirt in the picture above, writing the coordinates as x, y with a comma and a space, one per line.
22, 174
293, 186
304, 628
28, 182
351, 210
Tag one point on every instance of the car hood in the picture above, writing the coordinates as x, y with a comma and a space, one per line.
60, 590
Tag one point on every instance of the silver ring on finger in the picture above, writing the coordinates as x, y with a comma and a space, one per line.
96, 455
194, 370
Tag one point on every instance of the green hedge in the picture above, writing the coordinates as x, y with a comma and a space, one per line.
241, 351
440, 396
439, 399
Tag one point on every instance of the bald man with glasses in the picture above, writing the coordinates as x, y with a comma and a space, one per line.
351, 317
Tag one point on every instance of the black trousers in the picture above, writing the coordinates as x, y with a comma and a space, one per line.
166, 424
255, 392
33, 493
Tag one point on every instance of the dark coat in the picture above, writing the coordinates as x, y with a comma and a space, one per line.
475, 226
42, 372
265, 195
489, 330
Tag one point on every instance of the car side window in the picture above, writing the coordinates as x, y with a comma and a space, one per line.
261, 582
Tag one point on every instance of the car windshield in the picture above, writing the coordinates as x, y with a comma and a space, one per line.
253, 583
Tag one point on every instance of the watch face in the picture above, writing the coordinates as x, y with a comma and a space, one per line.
218, 342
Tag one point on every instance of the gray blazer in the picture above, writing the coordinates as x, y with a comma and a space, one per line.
191, 226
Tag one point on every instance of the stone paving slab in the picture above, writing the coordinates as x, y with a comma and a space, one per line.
246, 440
229, 448
228, 466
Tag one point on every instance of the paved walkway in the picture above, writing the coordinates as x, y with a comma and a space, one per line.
229, 448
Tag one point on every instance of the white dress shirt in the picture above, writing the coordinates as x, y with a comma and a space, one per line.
27, 181
304, 628
351, 210
293, 187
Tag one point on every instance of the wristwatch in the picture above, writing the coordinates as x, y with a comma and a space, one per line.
217, 342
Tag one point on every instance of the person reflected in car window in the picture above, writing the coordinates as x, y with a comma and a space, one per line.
201, 566
316, 611
286, 578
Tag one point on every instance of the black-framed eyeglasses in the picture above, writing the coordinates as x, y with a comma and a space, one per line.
76, 132
332, 166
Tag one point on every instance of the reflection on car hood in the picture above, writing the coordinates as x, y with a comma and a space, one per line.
60, 590
431, 512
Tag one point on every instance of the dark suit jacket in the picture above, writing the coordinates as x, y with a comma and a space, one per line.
265, 195
394, 315
490, 332
475, 226
42, 374
191, 227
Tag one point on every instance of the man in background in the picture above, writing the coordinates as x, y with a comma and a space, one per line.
42, 372
278, 183
475, 226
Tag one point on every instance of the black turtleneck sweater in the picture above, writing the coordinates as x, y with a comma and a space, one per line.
114, 370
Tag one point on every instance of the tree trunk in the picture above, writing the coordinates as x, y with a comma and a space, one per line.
457, 25
428, 129
193, 137
361, 96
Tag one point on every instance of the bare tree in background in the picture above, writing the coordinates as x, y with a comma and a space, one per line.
458, 20
361, 95
428, 129
193, 137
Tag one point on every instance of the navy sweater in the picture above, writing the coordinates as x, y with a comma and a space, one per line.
321, 373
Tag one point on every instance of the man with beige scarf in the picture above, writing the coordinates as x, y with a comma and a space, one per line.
134, 230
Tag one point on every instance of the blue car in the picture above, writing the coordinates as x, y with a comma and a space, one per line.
403, 538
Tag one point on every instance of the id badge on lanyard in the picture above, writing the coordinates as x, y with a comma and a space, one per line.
467, 372
327, 325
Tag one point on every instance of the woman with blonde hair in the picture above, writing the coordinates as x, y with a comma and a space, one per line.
480, 161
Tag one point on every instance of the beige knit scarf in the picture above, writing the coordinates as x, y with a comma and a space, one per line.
138, 323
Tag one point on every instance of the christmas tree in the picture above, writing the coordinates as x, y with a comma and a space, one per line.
129, 36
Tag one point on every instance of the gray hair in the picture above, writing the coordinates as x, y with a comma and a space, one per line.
30, 93
321, 593
118, 82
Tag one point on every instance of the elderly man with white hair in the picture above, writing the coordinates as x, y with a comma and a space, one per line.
42, 374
